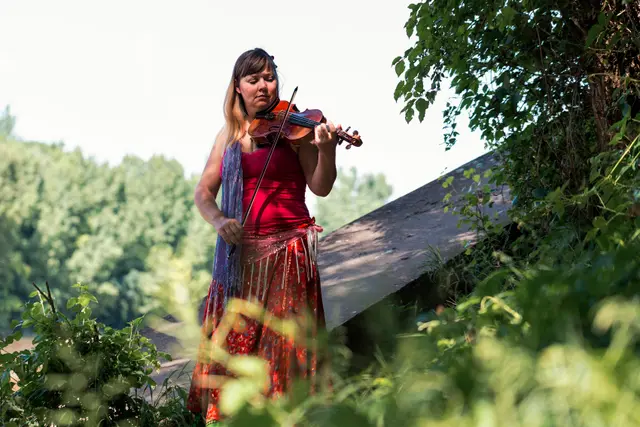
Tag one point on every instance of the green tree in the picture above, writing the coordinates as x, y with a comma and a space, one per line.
66, 219
352, 197
549, 83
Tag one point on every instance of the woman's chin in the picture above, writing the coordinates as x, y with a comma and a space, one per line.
261, 103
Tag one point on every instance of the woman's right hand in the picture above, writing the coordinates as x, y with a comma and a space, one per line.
229, 229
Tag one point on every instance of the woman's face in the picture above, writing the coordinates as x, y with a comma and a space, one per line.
258, 90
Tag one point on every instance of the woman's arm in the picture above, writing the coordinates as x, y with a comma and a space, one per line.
206, 192
317, 155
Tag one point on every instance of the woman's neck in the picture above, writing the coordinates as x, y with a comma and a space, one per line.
246, 124
250, 116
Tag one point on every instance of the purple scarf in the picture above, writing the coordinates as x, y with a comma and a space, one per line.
226, 271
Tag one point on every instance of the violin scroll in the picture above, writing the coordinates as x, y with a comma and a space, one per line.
352, 140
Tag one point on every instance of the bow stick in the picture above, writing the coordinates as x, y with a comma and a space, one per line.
264, 169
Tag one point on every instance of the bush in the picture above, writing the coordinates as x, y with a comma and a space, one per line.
81, 372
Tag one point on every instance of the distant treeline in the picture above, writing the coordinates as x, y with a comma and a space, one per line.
124, 231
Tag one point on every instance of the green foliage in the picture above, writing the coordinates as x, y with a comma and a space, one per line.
551, 87
546, 82
544, 340
550, 333
124, 230
81, 372
352, 197
559, 347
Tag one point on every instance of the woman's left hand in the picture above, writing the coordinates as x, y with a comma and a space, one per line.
325, 135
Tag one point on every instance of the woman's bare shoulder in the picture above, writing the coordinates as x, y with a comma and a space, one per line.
220, 142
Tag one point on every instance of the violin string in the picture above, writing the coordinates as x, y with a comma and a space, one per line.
295, 119
303, 121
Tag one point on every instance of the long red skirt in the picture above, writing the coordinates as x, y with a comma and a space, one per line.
286, 284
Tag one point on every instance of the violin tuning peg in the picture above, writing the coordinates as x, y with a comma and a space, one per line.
347, 129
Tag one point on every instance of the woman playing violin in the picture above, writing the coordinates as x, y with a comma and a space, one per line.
274, 265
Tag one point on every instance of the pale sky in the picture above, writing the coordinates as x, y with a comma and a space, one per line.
148, 77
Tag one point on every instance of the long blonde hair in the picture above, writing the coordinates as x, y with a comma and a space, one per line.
250, 62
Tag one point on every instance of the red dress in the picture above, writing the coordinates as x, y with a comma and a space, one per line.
280, 276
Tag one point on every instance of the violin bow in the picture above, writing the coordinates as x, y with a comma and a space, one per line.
266, 163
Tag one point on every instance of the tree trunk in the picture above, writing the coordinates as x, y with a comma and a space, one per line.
600, 97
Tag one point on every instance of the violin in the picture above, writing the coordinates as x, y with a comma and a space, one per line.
267, 123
